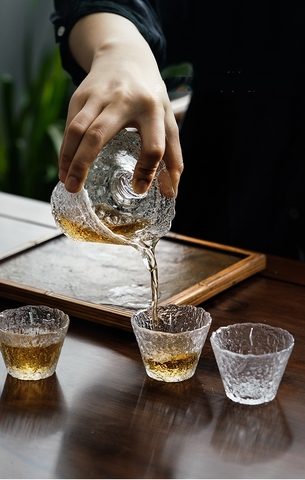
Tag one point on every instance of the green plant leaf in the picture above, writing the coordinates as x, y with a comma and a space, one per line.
31, 127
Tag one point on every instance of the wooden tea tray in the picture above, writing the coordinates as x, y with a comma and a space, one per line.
107, 283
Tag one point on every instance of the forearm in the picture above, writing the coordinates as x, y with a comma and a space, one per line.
106, 34
68, 13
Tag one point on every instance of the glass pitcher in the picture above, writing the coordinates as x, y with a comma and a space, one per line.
107, 209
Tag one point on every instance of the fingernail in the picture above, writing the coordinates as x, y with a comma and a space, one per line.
141, 186
72, 184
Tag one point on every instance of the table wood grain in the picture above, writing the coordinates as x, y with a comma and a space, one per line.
100, 416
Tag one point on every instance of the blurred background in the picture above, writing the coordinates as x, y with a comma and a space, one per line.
34, 95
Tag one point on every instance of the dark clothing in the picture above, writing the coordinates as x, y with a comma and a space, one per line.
243, 137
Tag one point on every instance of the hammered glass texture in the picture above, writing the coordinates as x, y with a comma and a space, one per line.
29, 334
251, 358
171, 351
107, 205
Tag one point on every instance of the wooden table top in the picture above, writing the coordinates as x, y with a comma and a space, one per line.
100, 416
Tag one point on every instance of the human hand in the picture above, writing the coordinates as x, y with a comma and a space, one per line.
123, 88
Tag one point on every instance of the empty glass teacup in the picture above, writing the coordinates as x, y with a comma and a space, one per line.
251, 358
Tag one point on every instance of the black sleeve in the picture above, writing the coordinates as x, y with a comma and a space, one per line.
140, 12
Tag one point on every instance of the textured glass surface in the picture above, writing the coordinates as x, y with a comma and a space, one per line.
107, 209
31, 340
251, 358
171, 352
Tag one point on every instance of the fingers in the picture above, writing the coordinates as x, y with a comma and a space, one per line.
173, 154
82, 144
152, 150
160, 140
79, 119
85, 135
91, 123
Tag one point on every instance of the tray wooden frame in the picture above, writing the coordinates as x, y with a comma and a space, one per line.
248, 264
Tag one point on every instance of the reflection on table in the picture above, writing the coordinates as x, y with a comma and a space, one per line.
32, 409
249, 434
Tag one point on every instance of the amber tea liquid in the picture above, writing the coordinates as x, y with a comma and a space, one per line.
175, 368
86, 234
31, 363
